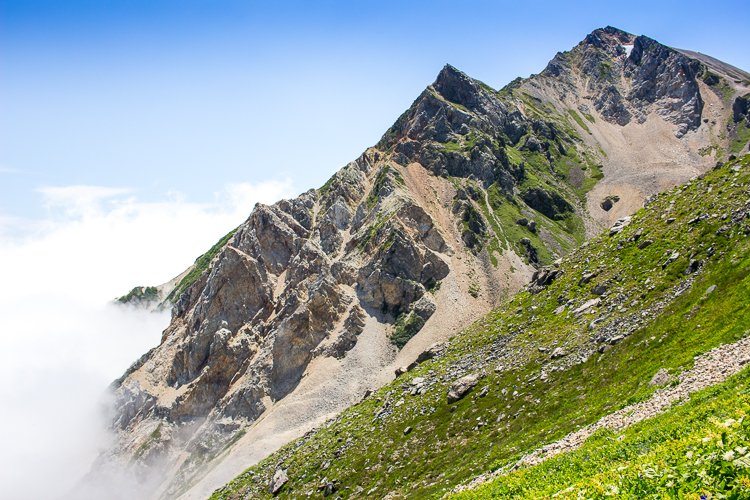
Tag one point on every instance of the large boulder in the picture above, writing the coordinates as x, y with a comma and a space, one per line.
462, 387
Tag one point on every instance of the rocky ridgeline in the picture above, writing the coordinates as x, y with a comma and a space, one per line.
529, 343
472, 189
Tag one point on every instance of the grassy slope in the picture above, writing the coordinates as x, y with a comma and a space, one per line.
371, 457
679, 454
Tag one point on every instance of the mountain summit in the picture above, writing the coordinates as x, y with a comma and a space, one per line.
314, 302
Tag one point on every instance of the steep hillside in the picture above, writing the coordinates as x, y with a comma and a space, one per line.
313, 302
619, 324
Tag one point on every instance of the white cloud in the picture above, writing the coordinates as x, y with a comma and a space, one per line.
63, 343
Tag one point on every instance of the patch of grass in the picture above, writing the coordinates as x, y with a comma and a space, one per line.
325, 187
407, 326
579, 120
372, 198
743, 136
201, 265
139, 295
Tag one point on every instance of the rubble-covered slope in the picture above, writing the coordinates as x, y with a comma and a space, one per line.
313, 301
586, 338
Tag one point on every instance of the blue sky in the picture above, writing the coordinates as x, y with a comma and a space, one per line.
180, 97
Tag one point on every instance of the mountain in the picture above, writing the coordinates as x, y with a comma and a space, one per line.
612, 374
314, 302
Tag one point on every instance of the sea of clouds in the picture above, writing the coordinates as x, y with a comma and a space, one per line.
63, 339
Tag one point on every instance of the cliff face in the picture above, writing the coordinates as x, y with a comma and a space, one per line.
313, 301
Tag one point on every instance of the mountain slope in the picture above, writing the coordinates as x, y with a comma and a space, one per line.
551, 360
314, 301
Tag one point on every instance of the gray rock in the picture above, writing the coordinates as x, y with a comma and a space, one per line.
711, 289
587, 277
431, 352
330, 489
407, 430
660, 378
599, 289
675, 255
278, 482
586, 305
522, 221
692, 267
619, 225
643, 244
558, 353
532, 226
462, 387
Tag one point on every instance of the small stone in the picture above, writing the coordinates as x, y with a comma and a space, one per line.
710, 289
462, 387
619, 225
278, 482
558, 353
522, 221
662, 377
599, 289
330, 489
693, 267
586, 305
671, 220
431, 352
643, 244
532, 226
407, 430
586, 278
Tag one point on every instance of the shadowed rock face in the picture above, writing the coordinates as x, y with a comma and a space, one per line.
627, 87
298, 280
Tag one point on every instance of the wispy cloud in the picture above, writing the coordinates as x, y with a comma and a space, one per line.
63, 343
79, 200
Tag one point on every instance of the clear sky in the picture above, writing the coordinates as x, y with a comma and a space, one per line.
183, 96
135, 133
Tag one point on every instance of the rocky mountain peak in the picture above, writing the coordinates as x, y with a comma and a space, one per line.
455, 86
608, 38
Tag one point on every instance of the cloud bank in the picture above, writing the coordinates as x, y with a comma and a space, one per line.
63, 340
